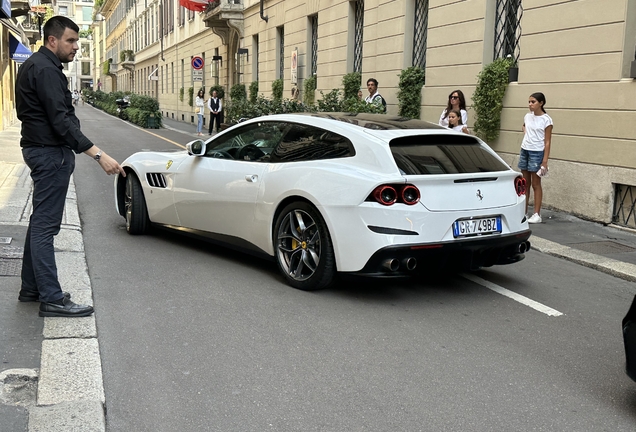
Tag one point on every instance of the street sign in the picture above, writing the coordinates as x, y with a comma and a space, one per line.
197, 63
197, 75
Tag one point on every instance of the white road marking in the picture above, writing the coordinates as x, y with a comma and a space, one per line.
513, 295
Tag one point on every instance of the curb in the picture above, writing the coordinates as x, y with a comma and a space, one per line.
612, 267
70, 391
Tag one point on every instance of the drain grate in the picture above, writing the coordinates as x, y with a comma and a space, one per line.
603, 247
10, 267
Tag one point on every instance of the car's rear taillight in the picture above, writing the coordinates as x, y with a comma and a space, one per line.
390, 194
520, 186
385, 195
410, 195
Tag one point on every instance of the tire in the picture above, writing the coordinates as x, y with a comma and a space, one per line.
303, 248
136, 213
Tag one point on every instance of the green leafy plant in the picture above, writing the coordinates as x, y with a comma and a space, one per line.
127, 54
106, 66
351, 83
488, 98
253, 91
309, 86
220, 92
85, 33
277, 89
237, 92
190, 96
181, 93
410, 94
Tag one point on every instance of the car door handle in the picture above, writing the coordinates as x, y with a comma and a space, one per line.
252, 178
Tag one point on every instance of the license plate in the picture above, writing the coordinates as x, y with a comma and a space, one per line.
477, 226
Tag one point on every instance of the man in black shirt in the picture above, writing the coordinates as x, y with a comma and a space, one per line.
50, 136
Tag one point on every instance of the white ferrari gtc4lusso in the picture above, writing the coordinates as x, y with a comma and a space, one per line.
332, 193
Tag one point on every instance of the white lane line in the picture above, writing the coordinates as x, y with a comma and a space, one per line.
513, 295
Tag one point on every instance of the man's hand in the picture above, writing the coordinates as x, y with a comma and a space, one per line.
110, 165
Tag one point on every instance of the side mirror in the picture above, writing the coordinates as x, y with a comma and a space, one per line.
196, 148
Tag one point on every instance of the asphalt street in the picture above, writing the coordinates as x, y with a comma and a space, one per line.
195, 337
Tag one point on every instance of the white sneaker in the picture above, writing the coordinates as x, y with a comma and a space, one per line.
535, 218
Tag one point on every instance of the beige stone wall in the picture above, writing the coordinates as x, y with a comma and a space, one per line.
576, 52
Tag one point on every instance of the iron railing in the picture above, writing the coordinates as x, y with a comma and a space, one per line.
420, 33
624, 205
358, 29
508, 29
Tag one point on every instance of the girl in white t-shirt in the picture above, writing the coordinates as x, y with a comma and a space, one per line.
535, 150
455, 122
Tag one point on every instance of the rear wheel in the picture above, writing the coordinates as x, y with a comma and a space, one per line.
304, 252
137, 221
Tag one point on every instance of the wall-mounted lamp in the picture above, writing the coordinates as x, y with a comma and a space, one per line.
99, 17
218, 58
242, 51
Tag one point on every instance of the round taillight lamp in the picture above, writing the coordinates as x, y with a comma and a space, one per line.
410, 195
520, 186
385, 195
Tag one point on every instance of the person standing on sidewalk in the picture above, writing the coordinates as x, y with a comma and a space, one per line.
535, 150
375, 97
199, 103
50, 135
215, 106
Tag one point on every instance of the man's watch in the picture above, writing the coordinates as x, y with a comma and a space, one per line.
98, 156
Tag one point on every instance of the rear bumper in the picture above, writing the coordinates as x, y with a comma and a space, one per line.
467, 254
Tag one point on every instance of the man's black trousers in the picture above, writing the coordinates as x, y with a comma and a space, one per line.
51, 169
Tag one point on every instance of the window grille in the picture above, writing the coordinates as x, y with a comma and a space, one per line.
420, 33
508, 29
358, 28
314, 44
625, 205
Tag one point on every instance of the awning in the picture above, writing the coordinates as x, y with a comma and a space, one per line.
195, 5
19, 53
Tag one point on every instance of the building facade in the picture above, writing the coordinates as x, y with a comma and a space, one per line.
579, 53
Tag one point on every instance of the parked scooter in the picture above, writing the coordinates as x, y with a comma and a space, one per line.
122, 104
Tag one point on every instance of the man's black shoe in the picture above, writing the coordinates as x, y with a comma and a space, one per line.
68, 309
28, 296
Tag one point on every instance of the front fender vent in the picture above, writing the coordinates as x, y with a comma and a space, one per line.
156, 180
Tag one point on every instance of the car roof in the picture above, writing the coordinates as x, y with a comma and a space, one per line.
375, 121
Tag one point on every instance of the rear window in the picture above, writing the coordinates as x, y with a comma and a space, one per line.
443, 154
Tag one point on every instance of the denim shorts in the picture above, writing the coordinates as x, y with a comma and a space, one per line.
530, 160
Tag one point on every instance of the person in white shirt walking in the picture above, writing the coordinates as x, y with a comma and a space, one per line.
535, 151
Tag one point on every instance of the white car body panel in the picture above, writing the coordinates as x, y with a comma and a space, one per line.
240, 198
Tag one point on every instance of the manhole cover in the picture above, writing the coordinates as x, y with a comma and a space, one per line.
11, 251
5, 240
603, 247
10, 267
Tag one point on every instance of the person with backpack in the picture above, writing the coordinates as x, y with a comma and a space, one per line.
375, 97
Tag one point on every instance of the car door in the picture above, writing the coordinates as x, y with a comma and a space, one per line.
217, 192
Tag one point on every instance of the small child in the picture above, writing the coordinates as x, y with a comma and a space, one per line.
455, 122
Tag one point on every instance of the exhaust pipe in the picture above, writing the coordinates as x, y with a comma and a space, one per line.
391, 264
409, 263
524, 247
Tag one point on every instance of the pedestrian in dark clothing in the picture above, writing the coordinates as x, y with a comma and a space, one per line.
216, 109
50, 136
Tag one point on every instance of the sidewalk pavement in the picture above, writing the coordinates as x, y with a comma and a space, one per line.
51, 375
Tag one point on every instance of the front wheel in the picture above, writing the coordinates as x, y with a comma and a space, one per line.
137, 221
304, 252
